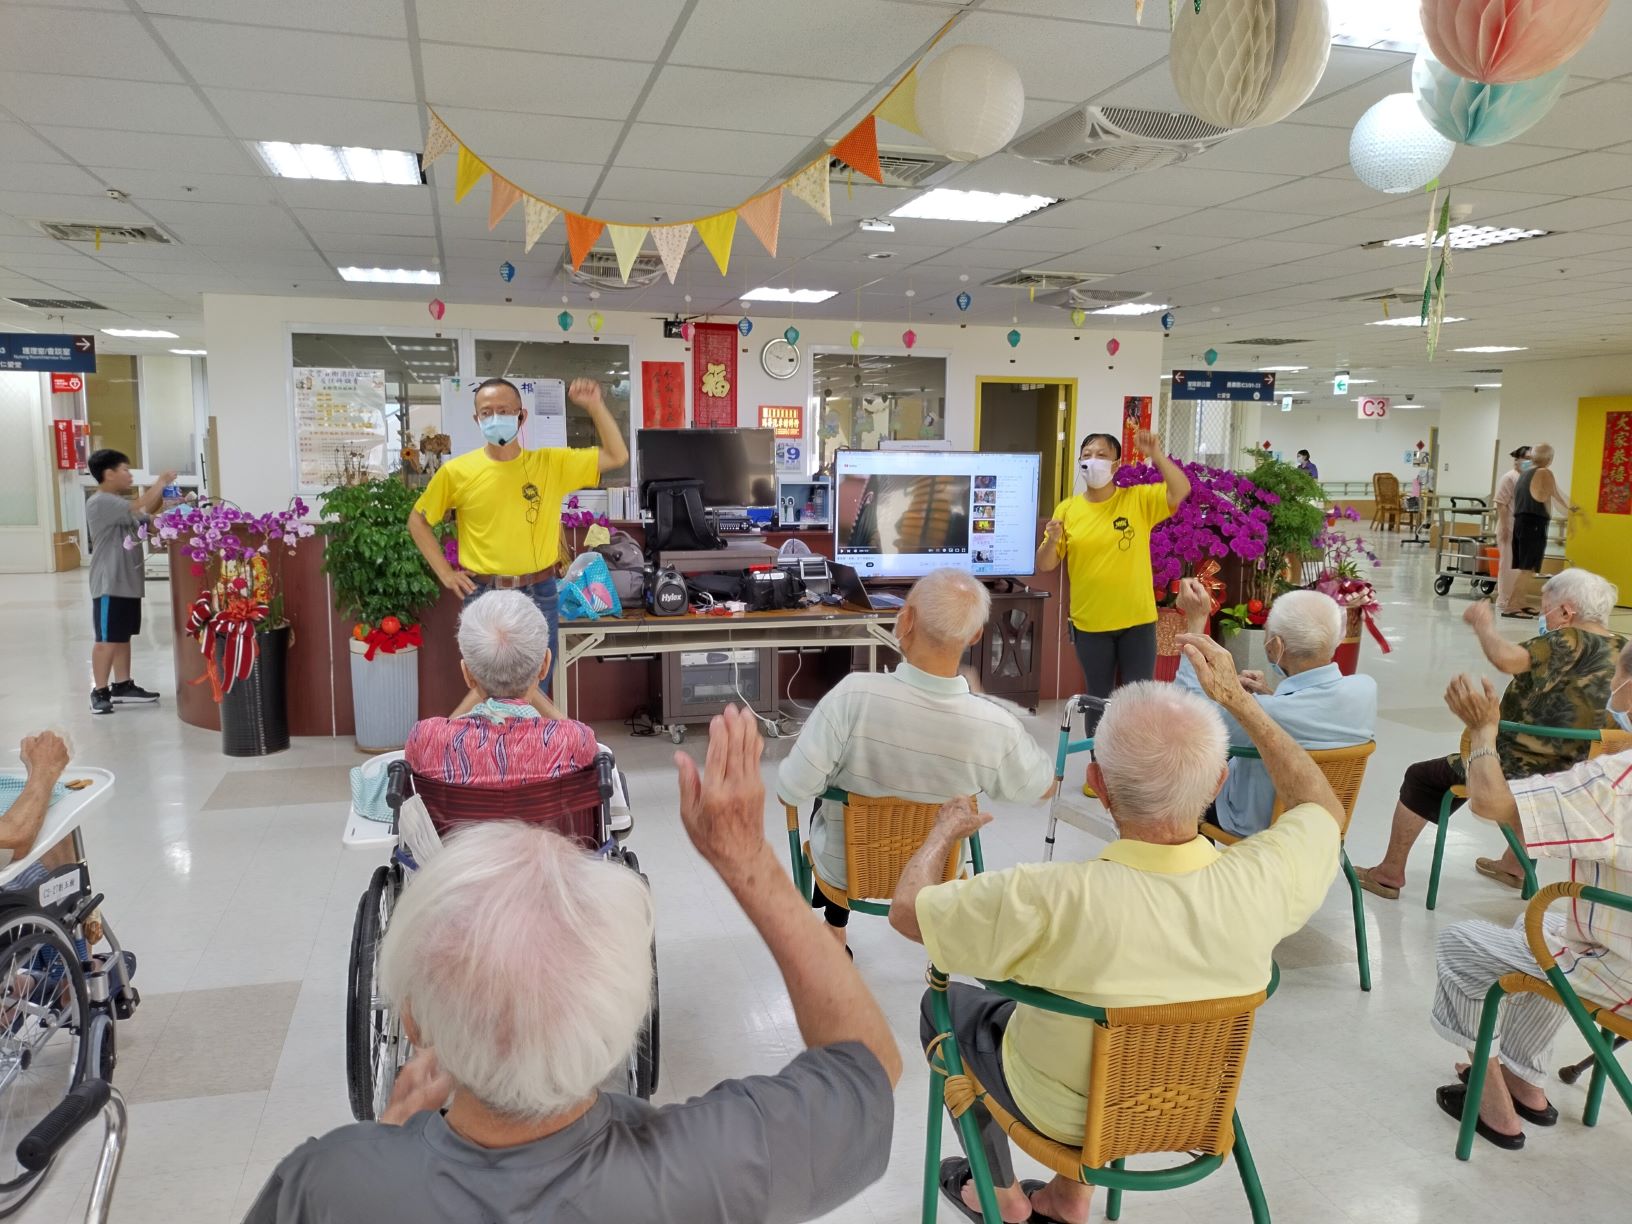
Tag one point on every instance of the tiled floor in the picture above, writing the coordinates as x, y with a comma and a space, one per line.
229, 881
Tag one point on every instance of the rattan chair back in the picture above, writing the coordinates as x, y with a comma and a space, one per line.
880, 834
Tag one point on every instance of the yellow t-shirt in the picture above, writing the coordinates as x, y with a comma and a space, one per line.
509, 512
1141, 925
1106, 546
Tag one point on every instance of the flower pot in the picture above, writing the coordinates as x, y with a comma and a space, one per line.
384, 696
1169, 624
254, 712
1347, 656
1246, 647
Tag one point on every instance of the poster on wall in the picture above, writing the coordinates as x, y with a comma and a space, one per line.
545, 400
1135, 416
714, 376
1615, 480
662, 394
788, 420
790, 456
340, 429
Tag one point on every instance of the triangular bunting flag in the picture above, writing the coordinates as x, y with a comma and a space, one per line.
717, 233
438, 140
811, 185
471, 169
505, 195
860, 149
581, 235
539, 215
900, 107
670, 241
626, 241
763, 215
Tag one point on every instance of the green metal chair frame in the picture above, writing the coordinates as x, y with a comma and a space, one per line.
1115, 1178
1591, 735
1599, 1036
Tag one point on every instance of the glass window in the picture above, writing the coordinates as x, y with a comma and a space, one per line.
861, 399
20, 464
113, 404
607, 364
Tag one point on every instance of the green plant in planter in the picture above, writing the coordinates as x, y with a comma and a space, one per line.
1294, 522
370, 558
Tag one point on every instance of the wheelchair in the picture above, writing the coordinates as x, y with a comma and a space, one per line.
577, 805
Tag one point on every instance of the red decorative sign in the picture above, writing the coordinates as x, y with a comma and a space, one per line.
1615, 481
714, 376
66, 445
66, 383
787, 419
1135, 416
663, 394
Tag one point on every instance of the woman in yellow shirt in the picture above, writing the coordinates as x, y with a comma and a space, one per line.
1103, 536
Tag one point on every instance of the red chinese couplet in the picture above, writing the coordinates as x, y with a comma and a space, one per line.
663, 394
1615, 481
714, 376
1135, 416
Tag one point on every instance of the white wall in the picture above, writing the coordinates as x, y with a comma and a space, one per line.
1468, 422
1539, 401
249, 384
1343, 446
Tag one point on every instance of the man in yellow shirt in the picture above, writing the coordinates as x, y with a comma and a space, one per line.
508, 500
1162, 916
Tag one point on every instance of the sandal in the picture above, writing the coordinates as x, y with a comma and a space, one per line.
955, 1173
1386, 891
1521, 614
1539, 1117
1493, 869
1452, 1098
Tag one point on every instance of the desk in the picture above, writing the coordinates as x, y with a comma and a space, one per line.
62, 818
640, 633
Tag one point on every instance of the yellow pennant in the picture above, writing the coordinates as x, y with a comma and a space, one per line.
470, 171
900, 106
626, 241
717, 233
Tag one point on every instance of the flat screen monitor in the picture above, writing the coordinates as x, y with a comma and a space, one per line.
737, 466
904, 513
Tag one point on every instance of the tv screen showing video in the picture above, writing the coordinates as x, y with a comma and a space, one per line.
904, 513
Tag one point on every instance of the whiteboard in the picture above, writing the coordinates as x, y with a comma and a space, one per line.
544, 398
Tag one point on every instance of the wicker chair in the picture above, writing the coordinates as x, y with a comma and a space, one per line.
1599, 1023
1160, 1079
1385, 492
880, 835
1345, 769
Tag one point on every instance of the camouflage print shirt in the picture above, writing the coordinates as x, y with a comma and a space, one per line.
1567, 685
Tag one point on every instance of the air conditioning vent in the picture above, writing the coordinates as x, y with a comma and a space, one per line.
1120, 139
600, 270
57, 304
1265, 342
75, 231
1411, 297
902, 167
1041, 280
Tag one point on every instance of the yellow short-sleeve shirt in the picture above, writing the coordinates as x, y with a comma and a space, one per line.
509, 511
1106, 546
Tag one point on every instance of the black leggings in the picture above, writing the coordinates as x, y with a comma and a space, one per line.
1130, 652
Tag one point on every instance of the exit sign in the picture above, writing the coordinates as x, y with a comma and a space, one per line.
1340, 385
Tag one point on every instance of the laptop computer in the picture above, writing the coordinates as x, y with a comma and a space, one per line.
848, 586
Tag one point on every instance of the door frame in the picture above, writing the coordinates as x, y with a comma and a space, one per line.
1063, 483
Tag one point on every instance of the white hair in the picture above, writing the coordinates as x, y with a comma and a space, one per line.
1311, 624
1162, 750
1593, 597
949, 605
524, 962
503, 638
1541, 454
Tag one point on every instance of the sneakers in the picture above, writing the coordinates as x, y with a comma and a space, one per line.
101, 701
128, 692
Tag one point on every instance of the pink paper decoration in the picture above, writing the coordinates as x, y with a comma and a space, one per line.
909, 338
1113, 346
685, 332
1499, 42
438, 308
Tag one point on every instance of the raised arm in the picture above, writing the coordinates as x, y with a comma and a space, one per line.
1476, 703
1507, 657
153, 497
586, 393
957, 820
1052, 547
1178, 484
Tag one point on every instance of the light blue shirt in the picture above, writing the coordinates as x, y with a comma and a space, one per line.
1320, 708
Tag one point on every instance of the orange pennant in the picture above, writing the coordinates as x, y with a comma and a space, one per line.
860, 149
505, 195
581, 235
763, 215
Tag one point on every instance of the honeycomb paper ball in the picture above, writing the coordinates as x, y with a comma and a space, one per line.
1249, 63
1473, 113
1499, 42
1394, 149
970, 102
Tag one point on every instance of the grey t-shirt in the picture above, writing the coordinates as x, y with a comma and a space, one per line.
767, 1150
115, 569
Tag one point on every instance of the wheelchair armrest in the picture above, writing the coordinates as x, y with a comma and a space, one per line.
399, 784
605, 776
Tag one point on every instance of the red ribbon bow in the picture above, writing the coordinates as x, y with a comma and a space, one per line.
379, 640
235, 626
1207, 573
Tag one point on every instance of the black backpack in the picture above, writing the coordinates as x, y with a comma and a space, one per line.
679, 521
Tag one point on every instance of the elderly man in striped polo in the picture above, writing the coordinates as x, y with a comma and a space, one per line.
1583, 814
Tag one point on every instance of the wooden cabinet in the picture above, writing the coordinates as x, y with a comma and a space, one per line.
1008, 658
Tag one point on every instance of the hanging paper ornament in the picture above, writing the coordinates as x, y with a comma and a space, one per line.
745, 325
595, 321
1210, 356
963, 300
565, 320
1500, 42
970, 102
1014, 337
1473, 113
791, 335
507, 271
1113, 346
1394, 149
438, 308
856, 338
1167, 321
1079, 316
685, 332
909, 338
1249, 63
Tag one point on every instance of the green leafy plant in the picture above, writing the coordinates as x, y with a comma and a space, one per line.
370, 558
1294, 521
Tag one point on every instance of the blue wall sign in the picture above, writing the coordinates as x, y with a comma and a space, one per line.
1247, 385
29, 351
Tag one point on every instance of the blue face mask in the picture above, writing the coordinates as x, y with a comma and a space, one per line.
1525, 465
1275, 664
1541, 623
500, 429
1623, 718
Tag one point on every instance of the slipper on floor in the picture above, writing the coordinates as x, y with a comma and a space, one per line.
1492, 869
1538, 1117
1386, 891
1452, 1098
955, 1172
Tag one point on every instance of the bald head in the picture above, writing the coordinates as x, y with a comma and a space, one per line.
1161, 752
1541, 454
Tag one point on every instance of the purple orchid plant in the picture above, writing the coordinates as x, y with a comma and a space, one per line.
1225, 515
213, 534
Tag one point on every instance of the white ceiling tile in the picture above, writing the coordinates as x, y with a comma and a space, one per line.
378, 198
759, 102
531, 82
258, 115
84, 101
345, 250
709, 150
1006, 172
564, 183
1064, 60
1343, 107
379, 17
496, 135
1580, 214
178, 182
77, 41
1179, 185
567, 27
796, 38
143, 150
45, 206
1324, 196
61, 179
321, 222
19, 145
705, 192
1587, 118
1281, 148
1226, 223
288, 61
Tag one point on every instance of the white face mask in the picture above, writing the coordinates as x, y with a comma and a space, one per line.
1097, 472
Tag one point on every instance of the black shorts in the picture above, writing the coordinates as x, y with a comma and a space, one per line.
1529, 541
116, 618
1426, 782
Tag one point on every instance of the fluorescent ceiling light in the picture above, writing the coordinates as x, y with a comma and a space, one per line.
990, 207
1382, 25
340, 165
1288, 391
424, 348
1131, 308
1472, 237
1362, 382
1483, 385
1492, 348
1165, 377
1409, 321
392, 276
189, 352
1281, 369
766, 293
139, 333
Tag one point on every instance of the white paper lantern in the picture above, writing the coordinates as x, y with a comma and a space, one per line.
1249, 63
1394, 149
970, 102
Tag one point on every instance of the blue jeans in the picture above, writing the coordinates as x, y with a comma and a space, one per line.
544, 597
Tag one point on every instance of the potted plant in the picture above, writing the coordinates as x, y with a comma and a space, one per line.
237, 616
382, 583
1341, 577
1296, 517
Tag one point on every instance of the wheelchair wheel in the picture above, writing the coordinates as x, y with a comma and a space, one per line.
45, 1016
375, 1044
643, 1059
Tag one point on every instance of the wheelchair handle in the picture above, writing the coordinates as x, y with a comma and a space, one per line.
52, 1133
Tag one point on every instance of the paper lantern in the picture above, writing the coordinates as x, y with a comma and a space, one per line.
1249, 63
963, 300
1079, 316
745, 325
1168, 321
565, 320
438, 308
685, 332
1473, 113
791, 335
1014, 337
595, 321
1394, 149
970, 101
507, 271
909, 338
856, 337
1113, 346
1210, 356
1499, 42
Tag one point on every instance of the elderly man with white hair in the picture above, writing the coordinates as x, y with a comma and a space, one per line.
1162, 916
917, 733
1312, 699
522, 968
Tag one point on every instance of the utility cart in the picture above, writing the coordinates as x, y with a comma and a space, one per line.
1461, 554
